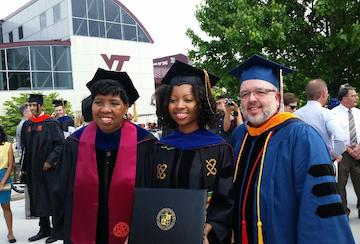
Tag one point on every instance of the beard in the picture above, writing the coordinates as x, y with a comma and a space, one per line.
268, 111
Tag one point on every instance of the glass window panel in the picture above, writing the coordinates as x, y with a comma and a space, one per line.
41, 80
11, 37
21, 33
126, 18
113, 30
42, 20
40, 58
57, 13
63, 80
96, 28
141, 35
129, 32
2, 60
78, 8
80, 27
19, 81
112, 11
3, 85
61, 58
18, 58
95, 9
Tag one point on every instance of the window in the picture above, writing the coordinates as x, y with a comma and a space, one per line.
112, 12
141, 35
42, 80
11, 37
1, 36
57, 13
96, 28
63, 80
21, 33
126, 19
2, 60
3, 85
50, 68
113, 31
129, 32
95, 9
43, 20
61, 58
80, 27
19, 81
89, 20
79, 8
40, 58
18, 58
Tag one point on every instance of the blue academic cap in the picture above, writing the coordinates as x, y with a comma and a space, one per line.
260, 68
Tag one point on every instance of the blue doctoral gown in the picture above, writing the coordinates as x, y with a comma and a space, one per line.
299, 202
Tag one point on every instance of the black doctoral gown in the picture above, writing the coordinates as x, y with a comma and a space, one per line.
41, 142
66, 171
199, 160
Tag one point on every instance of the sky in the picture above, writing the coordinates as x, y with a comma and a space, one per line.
165, 20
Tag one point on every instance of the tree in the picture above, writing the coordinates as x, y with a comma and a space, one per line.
318, 38
12, 116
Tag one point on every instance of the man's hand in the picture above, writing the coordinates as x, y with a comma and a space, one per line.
354, 151
46, 166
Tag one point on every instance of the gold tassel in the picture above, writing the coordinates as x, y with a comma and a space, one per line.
207, 89
260, 234
135, 114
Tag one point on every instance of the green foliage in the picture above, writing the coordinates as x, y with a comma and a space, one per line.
12, 116
319, 39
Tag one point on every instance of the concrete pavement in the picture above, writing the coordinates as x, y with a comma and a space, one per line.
24, 228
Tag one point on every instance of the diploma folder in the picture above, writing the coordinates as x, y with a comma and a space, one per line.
168, 216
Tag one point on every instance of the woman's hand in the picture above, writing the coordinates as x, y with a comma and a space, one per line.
207, 229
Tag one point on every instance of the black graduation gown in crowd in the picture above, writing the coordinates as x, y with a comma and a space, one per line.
65, 122
66, 171
41, 141
199, 160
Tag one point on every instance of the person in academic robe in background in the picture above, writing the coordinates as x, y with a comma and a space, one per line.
41, 138
191, 156
284, 184
66, 121
100, 165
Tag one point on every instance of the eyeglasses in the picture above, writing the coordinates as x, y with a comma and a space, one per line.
259, 92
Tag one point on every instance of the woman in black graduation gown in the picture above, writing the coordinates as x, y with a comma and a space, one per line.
100, 165
191, 156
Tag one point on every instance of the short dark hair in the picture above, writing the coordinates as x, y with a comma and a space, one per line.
2, 135
204, 111
289, 98
107, 87
22, 109
344, 90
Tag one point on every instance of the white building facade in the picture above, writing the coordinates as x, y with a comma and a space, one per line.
57, 45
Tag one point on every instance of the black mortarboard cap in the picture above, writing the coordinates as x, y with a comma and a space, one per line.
260, 68
86, 110
122, 78
182, 73
37, 98
59, 103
